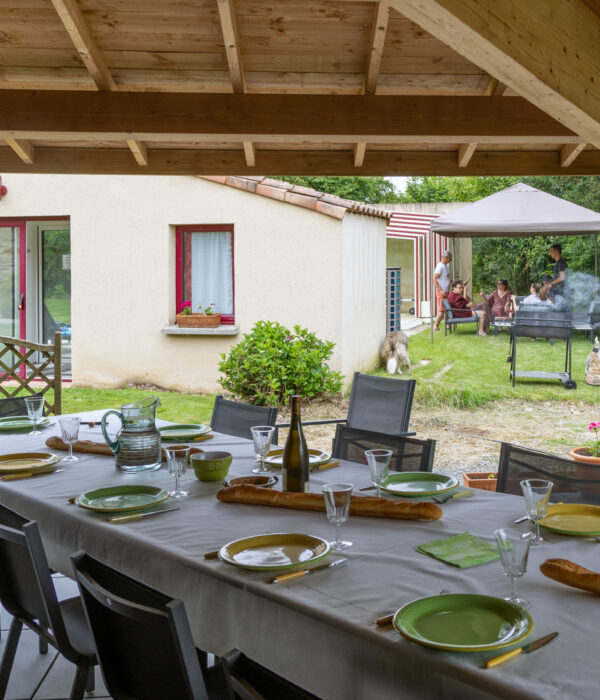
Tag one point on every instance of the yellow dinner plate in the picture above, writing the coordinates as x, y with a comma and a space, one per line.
573, 519
274, 551
26, 462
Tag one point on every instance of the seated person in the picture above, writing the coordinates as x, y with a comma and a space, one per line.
462, 306
498, 304
547, 281
537, 297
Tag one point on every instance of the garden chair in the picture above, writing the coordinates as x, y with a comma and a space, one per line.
27, 592
574, 482
145, 646
381, 404
13, 407
408, 454
234, 418
451, 321
17, 358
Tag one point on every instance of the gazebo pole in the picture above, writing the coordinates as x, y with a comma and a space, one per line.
431, 288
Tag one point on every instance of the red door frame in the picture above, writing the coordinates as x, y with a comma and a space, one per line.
22, 281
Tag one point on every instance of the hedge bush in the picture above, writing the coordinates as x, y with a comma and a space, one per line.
272, 363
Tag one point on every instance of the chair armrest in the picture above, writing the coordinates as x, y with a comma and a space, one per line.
313, 422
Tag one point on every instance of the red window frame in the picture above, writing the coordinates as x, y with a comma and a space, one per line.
180, 294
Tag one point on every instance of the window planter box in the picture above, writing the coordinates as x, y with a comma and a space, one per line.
481, 480
198, 320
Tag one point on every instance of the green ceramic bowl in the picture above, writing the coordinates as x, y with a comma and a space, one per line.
211, 466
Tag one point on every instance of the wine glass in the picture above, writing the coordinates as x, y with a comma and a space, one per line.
537, 495
262, 436
513, 547
69, 427
35, 411
379, 462
337, 505
177, 457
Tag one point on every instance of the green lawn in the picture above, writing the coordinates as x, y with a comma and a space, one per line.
59, 308
477, 371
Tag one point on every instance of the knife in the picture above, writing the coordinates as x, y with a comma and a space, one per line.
305, 572
135, 516
327, 465
524, 649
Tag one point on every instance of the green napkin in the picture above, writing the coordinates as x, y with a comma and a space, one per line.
461, 550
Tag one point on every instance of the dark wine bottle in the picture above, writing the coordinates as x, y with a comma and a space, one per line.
295, 453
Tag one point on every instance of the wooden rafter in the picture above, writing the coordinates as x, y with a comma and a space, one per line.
378, 34
359, 154
465, 153
495, 88
23, 149
569, 152
232, 46
545, 51
250, 154
75, 24
139, 150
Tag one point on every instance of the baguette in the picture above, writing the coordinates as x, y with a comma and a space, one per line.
359, 505
98, 448
565, 571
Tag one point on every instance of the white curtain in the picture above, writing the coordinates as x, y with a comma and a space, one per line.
212, 271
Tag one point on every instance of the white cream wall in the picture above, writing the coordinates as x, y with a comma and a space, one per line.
363, 292
287, 268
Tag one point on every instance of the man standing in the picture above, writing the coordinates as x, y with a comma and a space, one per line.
441, 282
558, 284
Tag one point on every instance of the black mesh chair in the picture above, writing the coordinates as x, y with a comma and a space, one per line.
15, 406
233, 418
408, 454
145, 646
451, 320
380, 404
27, 592
574, 482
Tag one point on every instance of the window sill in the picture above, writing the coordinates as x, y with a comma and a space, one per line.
219, 330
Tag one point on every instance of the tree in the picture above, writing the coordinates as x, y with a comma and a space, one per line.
373, 190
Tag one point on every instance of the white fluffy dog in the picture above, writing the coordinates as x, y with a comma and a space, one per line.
394, 352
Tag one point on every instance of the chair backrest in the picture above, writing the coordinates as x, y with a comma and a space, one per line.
381, 404
143, 639
408, 454
13, 407
17, 354
234, 418
574, 482
26, 588
593, 316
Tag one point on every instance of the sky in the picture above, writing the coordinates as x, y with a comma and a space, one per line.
399, 182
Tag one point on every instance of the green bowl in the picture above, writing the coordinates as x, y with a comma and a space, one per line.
211, 466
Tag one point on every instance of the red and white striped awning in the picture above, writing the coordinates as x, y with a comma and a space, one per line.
406, 225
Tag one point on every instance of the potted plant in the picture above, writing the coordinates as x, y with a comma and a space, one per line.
206, 318
481, 480
589, 453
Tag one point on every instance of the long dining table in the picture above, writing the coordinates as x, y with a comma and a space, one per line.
319, 631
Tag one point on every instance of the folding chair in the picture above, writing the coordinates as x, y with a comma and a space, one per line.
451, 321
408, 454
234, 418
14, 407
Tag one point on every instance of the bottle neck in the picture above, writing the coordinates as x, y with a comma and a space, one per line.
296, 408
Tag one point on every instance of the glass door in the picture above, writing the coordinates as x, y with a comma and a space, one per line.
12, 280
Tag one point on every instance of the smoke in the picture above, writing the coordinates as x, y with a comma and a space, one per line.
581, 289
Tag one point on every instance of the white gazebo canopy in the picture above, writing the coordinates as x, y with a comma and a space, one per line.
519, 210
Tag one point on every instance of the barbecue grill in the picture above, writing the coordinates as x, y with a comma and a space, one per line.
543, 322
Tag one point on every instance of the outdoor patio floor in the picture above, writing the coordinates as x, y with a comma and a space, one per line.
30, 666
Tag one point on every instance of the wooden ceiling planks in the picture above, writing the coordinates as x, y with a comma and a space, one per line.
352, 49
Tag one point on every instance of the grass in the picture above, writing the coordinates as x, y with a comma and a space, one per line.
466, 371
59, 308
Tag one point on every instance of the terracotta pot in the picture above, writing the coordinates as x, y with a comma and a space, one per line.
198, 320
481, 480
588, 469
577, 454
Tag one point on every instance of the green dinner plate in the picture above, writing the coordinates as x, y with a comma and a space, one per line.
114, 499
418, 483
183, 431
275, 551
315, 457
26, 462
20, 423
573, 519
463, 622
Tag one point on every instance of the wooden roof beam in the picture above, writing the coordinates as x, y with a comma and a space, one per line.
139, 150
359, 154
378, 34
73, 21
569, 152
545, 51
232, 45
465, 153
23, 149
495, 88
250, 154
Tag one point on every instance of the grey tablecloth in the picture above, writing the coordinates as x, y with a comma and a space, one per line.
319, 631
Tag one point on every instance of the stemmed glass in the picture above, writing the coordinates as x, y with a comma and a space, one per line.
513, 547
35, 411
262, 436
177, 457
379, 462
537, 495
337, 505
69, 427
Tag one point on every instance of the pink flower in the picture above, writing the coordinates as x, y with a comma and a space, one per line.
187, 303
593, 426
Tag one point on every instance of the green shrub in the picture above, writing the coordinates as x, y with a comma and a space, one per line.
271, 363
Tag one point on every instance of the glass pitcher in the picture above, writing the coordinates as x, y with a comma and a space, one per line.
137, 444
